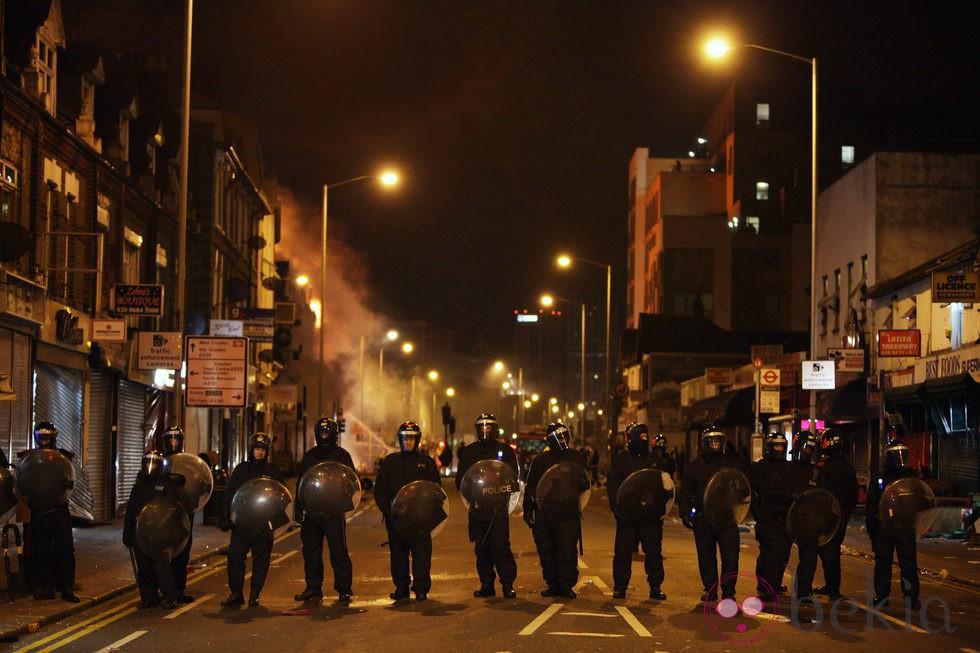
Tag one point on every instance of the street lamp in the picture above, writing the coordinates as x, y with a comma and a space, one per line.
718, 48
406, 348
565, 261
386, 179
548, 300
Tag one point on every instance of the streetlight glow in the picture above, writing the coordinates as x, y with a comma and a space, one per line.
547, 300
564, 261
498, 366
450, 392
408, 347
389, 178
302, 280
433, 375
717, 48
392, 335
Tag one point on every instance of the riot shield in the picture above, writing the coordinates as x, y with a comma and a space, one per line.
45, 478
489, 489
327, 490
259, 508
814, 518
198, 483
645, 496
162, 528
563, 492
907, 508
8, 500
420, 508
726, 498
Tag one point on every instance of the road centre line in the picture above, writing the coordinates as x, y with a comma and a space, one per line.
89, 629
68, 629
119, 643
540, 620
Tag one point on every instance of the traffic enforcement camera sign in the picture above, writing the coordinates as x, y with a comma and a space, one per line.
818, 375
216, 372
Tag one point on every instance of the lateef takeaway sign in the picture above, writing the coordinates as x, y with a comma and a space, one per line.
137, 299
906, 342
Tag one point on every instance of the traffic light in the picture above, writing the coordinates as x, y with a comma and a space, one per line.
342, 423
452, 426
447, 414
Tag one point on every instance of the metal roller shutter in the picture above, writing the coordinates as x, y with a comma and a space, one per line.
130, 438
959, 454
100, 455
15, 415
58, 399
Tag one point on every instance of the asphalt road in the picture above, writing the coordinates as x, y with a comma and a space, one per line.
453, 620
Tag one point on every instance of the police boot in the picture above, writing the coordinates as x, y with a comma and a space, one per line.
400, 594
619, 593
484, 592
657, 594
309, 595
253, 599
69, 596
508, 592
234, 599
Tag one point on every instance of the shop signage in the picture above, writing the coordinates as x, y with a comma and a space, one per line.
848, 360
137, 299
907, 342
955, 287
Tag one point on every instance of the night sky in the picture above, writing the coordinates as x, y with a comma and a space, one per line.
512, 122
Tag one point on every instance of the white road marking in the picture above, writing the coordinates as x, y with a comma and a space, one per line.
888, 617
539, 621
581, 564
593, 580
190, 606
633, 621
283, 557
560, 632
118, 644
588, 614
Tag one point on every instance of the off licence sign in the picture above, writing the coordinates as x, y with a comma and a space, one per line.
216, 372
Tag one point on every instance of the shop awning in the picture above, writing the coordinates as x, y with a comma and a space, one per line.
732, 408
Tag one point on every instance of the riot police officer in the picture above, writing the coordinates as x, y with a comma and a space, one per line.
555, 541
801, 475
884, 544
334, 529
839, 477
257, 466
770, 503
649, 533
707, 536
173, 443
51, 535
398, 470
491, 538
154, 576
664, 461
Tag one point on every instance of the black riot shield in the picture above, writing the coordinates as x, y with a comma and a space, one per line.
45, 478
489, 489
907, 508
645, 496
259, 507
814, 518
563, 492
419, 508
726, 498
198, 482
162, 528
327, 490
8, 500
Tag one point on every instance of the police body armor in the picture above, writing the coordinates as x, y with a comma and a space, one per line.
259, 507
490, 489
328, 490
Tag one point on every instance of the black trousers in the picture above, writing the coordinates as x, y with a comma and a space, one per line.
54, 548
238, 549
830, 558
152, 576
420, 549
178, 566
557, 551
650, 537
311, 533
775, 546
491, 542
710, 542
885, 547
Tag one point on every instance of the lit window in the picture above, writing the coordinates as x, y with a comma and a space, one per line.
847, 154
762, 113
752, 221
762, 190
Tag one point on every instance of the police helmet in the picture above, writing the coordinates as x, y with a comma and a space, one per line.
774, 446
152, 463
637, 438
486, 427
559, 438
45, 435
259, 441
896, 455
805, 444
660, 443
409, 436
831, 443
326, 431
173, 440
712, 441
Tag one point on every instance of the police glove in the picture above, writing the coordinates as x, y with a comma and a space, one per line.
688, 522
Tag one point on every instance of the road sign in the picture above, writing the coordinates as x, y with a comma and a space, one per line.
769, 402
757, 363
769, 378
216, 372
818, 375
160, 351
258, 324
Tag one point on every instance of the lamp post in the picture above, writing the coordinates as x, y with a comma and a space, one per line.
718, 48
565, 261
386, 179
407, 348
548, 300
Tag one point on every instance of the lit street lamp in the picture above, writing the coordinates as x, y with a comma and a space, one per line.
386, 179
718, 48
548, 300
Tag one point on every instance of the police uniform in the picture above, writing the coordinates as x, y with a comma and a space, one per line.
491, 538
885, 545
556, 541
649, 534
239, 545
770, 504
398, 470
838, 477
334, 529
152, 575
